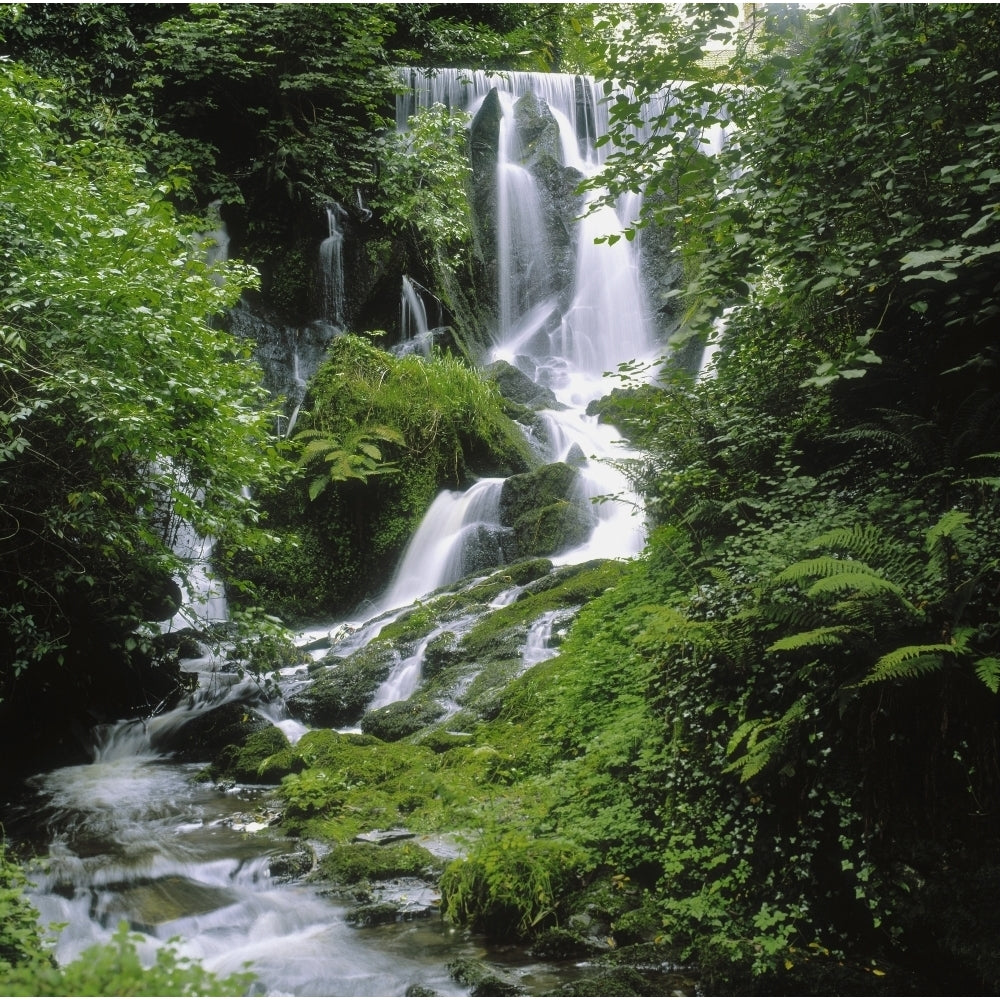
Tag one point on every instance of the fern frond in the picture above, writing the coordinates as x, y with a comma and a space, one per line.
863, 584
822, 566
989, 482
908, 662
864, 541
951, 524
988, 671
825, 635
763, 738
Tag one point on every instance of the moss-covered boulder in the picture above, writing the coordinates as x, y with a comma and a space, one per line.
264, 756
203, 737
517, 387
545, 510
349, 865
401, 719
338, 695
483, 979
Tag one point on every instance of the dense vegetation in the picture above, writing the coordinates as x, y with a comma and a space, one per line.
775, 736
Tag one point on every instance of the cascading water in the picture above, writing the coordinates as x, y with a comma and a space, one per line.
331, 255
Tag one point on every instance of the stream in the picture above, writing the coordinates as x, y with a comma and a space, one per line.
133, 835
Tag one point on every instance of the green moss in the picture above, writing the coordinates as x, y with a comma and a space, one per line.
263, 756
350, 864
339, 694
401, 718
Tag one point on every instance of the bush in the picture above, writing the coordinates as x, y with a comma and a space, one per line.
512, 886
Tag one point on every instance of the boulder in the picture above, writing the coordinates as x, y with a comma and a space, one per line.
516, 386
545, 510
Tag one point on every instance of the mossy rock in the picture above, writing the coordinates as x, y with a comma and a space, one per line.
265, 756
291, 866
547, 530
339, 695
482, 979
204, 736
485, 694
622, 982
441, 652
373, 915
532, 491
441, 740
558, 944
360, 862
400, 719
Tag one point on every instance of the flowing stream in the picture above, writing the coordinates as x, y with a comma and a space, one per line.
133, 836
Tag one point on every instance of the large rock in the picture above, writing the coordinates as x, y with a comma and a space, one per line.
517, 387
545, 510
339, 694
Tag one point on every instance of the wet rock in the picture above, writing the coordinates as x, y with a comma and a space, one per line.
515, 385
372, 915
482, 979
384, 836
348, 865
204, 736
544, 509
338, 695
400, 719
292, 866
263, 756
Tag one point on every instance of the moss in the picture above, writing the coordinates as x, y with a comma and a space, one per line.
482, 979
351, 864
339, 695
402, 718
442, 740
264, 756
485, 695
550, 529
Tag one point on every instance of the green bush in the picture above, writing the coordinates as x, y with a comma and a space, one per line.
511, 885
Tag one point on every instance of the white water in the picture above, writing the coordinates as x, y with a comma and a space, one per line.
331, 255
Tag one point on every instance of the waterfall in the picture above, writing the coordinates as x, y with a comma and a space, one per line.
564, 328
331, 256
459, 534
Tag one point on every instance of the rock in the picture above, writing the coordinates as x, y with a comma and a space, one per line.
545, 511
516, 386
384, 836
339, 695
482, 979
292, 866
400, 719
204, 736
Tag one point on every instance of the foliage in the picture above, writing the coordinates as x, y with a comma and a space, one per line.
510, 885
434, 421
124, 412
355, 457
423, 182
117, 969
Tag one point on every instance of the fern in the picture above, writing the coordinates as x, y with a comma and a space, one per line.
909, 662
355, 456
863, 584
951, 525
822, 566
988, 671
764, 738
865, 542
825, 635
